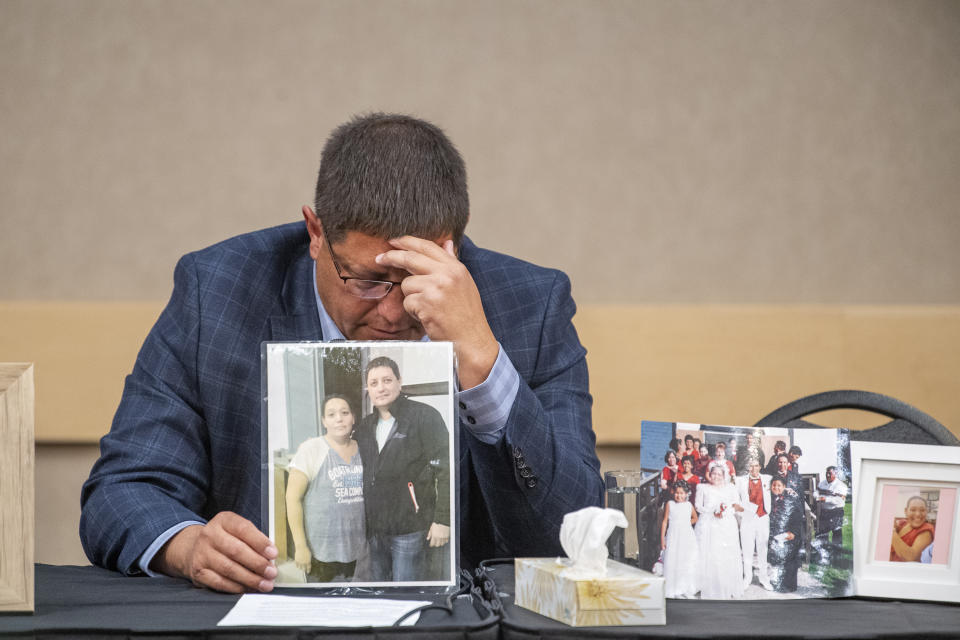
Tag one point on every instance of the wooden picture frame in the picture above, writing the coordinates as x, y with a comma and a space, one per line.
16, 487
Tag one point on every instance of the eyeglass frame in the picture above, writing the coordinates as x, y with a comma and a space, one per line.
336, 265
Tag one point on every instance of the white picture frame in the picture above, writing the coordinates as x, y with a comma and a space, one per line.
885, 477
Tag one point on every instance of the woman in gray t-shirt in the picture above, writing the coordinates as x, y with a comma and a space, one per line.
325, 497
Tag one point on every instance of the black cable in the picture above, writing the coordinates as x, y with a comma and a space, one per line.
486, 563
466, 587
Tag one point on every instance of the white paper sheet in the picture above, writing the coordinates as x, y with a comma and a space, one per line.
257, 609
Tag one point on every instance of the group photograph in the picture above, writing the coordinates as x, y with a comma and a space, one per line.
746, 513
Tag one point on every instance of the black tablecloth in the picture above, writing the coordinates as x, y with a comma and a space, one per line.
92, 602
818, 618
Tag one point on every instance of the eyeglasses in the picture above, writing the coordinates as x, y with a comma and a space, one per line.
359, 287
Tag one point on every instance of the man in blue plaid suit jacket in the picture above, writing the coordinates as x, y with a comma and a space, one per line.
177, 487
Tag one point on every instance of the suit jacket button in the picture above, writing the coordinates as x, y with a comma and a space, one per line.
462, 406
531, 482
471, 420
517, 453
525, 472
520, 463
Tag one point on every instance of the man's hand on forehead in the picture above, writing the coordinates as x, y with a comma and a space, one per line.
416, 255
442, 296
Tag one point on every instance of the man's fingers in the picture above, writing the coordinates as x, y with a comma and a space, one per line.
239, 539
221, 572
242, 555
416, 255
212, 580
430, 286
245, 530
236, 579
235, 549
240, 564
226, 554
420, 245
409, 261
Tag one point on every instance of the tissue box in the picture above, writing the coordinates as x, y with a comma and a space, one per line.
625, 596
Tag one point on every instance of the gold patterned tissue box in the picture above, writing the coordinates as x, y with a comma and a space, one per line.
625, 596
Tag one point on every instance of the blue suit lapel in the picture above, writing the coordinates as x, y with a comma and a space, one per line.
299, 319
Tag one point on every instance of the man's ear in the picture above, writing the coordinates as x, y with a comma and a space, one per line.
442, 243
315, 229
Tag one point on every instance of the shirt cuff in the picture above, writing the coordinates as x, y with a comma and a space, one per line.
484, 409
161, 540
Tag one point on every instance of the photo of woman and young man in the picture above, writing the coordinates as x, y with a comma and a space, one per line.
749, 513
360, 459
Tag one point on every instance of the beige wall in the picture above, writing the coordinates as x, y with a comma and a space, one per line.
661, 152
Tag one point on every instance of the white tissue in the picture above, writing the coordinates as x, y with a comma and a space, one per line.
583, 536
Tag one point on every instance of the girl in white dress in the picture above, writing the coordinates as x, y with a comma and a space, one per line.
679, 544
721, 564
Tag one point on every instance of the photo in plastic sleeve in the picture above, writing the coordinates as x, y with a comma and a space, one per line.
745, 513
360, 460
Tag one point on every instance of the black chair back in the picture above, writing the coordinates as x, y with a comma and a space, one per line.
908, 425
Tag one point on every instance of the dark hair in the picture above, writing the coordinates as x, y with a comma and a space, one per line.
720, 445
832, 467
780, 444
697, 440
690, 458
681, 484
796, 450
381, 361
675, 444
783, 455
323, 408
390, 175
666, 456
334, 396
778, 479
688, 437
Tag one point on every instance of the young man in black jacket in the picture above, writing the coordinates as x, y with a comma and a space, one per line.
404, 446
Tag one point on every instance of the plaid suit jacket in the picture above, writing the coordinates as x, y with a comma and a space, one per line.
185, 443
